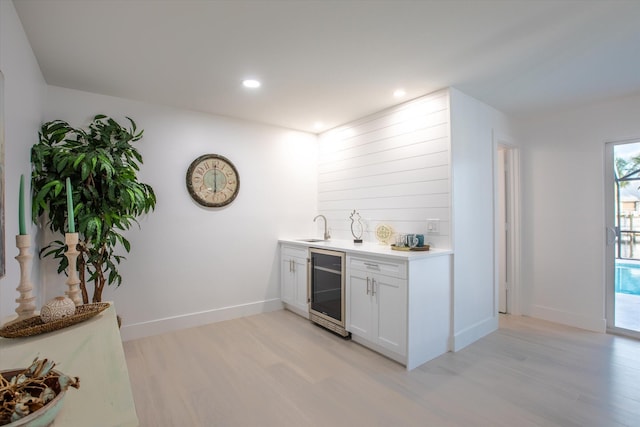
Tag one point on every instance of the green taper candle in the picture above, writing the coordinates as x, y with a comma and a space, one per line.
22, 226
72, 225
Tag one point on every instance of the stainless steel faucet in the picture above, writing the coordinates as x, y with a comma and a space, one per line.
327, 236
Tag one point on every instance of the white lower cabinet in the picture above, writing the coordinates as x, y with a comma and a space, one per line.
400, 308
377, 304
398, 304
293, 272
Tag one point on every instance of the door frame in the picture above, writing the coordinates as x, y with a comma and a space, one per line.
513, 219
610, 240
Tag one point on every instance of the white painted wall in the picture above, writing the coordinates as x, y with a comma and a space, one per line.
432, 157
563, 234
392, 167
474, 127
191, 265
24, 90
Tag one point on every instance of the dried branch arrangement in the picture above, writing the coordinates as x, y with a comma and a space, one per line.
31, 389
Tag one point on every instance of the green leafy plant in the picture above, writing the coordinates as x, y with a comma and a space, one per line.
102, 165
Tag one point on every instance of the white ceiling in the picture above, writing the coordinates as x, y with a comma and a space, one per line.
336, 61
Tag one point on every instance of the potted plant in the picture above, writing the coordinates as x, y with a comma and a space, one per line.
102, 165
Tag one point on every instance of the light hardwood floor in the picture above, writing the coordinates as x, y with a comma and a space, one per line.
277, 369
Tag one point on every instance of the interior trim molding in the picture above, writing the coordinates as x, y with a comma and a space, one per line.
474, 332
570, 319
190, 320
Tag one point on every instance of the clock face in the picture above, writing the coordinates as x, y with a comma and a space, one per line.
212, 180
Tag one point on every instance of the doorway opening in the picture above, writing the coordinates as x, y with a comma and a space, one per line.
623, 238
506, 226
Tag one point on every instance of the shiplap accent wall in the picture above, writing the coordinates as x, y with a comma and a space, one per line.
393, 167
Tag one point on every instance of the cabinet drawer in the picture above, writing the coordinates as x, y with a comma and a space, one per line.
294, 251
380, 266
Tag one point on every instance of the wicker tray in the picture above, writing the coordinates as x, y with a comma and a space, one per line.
35, 326
405, 248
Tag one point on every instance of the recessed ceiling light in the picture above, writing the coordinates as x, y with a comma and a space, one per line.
399, 93
318, 125
251, 83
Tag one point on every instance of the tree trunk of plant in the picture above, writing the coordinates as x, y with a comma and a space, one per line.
83, 283
97, 294
98, 284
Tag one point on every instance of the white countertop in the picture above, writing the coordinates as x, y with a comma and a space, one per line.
368, 248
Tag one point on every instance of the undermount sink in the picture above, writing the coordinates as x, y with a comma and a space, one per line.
311, 240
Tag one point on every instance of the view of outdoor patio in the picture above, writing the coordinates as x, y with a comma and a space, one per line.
628, 311
627, 256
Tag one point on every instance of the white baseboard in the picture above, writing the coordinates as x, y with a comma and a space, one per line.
568, 318
379, 349
296, 310
190, 320
474, 332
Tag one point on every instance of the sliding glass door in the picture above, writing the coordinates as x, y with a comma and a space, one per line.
622, 214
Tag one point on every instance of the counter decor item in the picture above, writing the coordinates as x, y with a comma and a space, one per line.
356, 227
411, 240
34, 325
56, 309
84, 183
213, 181
407, 248
33, 396
384, 233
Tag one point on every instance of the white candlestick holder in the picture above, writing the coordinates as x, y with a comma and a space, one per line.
26, 301
73, 282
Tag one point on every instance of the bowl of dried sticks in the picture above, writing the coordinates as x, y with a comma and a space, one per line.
33, 396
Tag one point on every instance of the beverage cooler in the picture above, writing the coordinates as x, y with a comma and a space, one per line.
327, 289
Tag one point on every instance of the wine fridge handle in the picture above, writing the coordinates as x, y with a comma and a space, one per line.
309, 281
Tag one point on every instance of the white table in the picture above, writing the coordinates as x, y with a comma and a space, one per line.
91, 350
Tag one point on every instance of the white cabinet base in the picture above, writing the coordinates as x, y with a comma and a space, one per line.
399, 304
297, 310
410, 327
429, 314
379, 349
293, 279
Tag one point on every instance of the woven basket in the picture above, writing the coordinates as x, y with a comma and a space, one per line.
35, 326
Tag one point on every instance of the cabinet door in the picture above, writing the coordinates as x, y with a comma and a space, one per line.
390, 295
293, 276
300, 283
360, 305
287, 284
